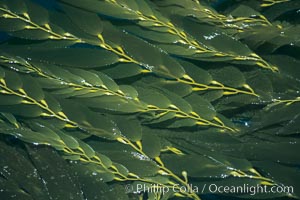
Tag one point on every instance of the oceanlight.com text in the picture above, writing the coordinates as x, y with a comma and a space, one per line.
247, 189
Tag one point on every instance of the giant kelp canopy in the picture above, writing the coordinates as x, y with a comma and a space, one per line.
98, 96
